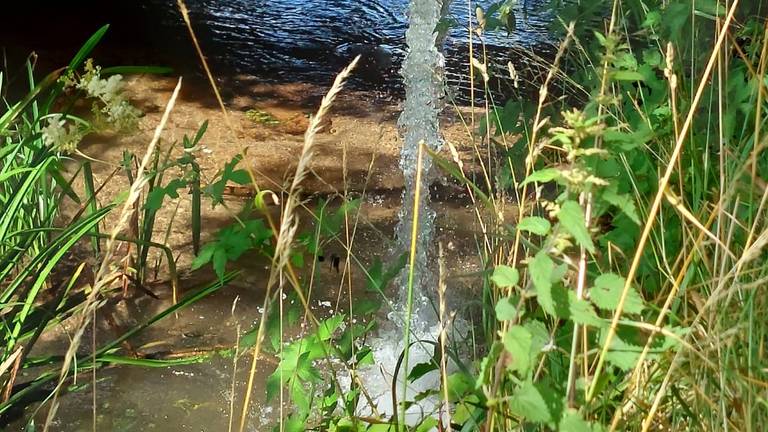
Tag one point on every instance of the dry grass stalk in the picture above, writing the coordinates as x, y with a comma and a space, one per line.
289, 223
654, 210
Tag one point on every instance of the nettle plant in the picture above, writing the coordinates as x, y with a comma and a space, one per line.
558, 304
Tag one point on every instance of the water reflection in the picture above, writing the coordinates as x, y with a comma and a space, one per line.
311, 39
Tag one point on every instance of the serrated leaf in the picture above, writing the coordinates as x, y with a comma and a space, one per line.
540, 270
623, 202
542, 176
572, 422
459, 384
506, 309
535, 225
528, 402
539, 335
607, 292
505, 276
571, 218
581, 311
518, 342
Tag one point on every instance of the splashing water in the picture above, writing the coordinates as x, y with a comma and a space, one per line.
419, 123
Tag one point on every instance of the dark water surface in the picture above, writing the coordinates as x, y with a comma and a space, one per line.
276, 40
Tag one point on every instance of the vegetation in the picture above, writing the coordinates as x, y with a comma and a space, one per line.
624, 294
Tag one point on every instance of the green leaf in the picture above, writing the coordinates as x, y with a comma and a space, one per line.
539, 336
459, 384
505, 276
518, 342
622, 354
540, 270
326, 329
158, 194
219, 262
529, 403
506, 309
607, 292
378, 278
542, 176
623, 202
572, 422
204, 257
571, 218
581, 311
535, 225
428, 424
421, 369
626, 75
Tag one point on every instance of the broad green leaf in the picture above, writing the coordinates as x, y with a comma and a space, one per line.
572, 422
540, 270
518, 342
158, 194
459, 384
506, 309
427, 425
204, 257
626, 75
528, 402
420, 370
623, 202
571, 218
542, 176
326, 329
219, 262
607, 292
535, 225
581, 311
505, 276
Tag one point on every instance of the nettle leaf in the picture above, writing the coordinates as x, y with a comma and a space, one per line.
540, 270
571, 218
539, 335
530, 403
607, 292
581, 311
542, 176
535, 225
506, 308
629, 341
622, 353
623, 202
518, 342
459, 384
505, 276
572, 422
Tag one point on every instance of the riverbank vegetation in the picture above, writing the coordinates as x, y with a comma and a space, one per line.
621, 232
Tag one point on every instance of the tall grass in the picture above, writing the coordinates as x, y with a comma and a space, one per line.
39, 290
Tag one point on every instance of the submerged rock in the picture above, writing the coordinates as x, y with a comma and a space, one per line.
376, 61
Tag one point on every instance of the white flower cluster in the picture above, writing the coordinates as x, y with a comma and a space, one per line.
61, 136
110, 108
116, 111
